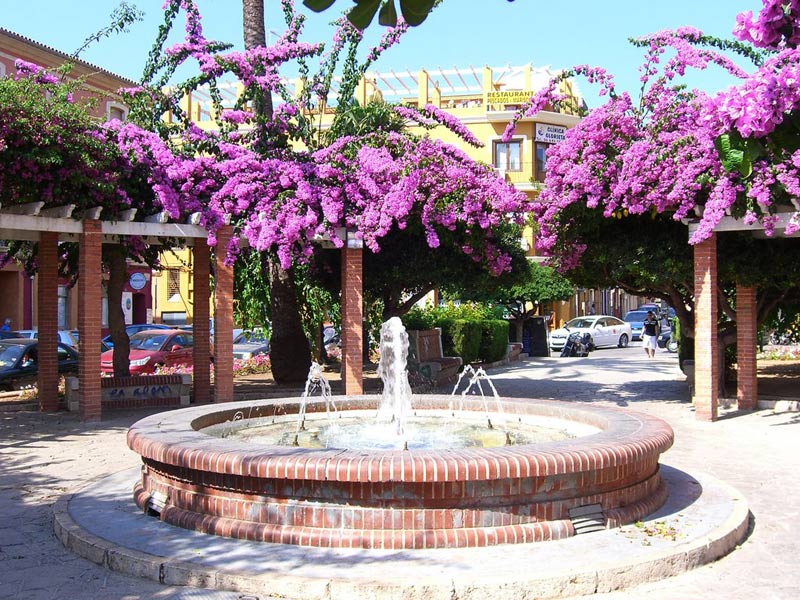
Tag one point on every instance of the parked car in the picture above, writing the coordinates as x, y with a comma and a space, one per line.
135, 328
651, 306
65, 336
637, 317
249, 344
154, 348
7, 335
19, 362
604, 329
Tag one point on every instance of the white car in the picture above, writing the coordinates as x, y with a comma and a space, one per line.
604, 329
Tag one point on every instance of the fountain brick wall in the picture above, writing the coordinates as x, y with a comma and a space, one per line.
398, 499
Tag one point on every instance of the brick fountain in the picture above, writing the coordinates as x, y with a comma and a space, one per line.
404, 497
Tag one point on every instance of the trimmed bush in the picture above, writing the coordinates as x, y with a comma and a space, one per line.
494, 340
463, 339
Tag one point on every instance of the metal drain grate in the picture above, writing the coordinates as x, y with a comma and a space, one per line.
588, 518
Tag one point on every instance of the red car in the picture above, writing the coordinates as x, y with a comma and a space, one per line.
152, 349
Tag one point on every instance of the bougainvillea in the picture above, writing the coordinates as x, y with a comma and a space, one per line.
284, 199
680, 151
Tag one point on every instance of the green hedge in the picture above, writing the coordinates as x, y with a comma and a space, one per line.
494, 340
468, 331
464, 339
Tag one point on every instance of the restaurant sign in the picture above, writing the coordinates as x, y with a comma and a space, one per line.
551, 134
509, 97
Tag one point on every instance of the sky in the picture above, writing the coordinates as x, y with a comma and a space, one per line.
459, 33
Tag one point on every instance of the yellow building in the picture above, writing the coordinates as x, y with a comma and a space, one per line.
484, 100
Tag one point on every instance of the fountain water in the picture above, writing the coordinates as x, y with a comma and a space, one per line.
396, 400
349, 491
474, 382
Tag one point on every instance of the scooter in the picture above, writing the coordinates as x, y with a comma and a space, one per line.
665, 340
578, 344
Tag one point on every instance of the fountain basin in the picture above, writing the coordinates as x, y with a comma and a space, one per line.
431, 498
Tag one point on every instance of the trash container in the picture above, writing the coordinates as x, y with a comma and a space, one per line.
534, 337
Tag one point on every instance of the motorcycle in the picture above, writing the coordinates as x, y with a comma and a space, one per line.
578, 344
665, 340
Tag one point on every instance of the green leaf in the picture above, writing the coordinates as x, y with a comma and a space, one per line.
318, 5
388, 14
745, 166
753, 149
730, 157
416, 11
362, 13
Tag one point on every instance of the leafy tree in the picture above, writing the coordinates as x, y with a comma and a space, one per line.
414, 11
538, 285
630, 172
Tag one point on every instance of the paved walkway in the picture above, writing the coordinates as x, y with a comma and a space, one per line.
43, 457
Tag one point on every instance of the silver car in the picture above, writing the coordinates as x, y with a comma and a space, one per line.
250, 343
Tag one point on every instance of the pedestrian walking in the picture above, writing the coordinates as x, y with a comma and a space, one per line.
6, 324
650, 331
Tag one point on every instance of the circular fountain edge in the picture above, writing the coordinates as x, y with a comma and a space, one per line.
398, 498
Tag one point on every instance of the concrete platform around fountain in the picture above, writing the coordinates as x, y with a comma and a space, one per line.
709, 518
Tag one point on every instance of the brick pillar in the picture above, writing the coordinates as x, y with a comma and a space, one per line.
201, 276
223, 320
746, 341
706, 345
90, 294
352, 319
47, 321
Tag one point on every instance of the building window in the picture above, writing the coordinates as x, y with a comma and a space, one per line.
508, 155
541, 161
173, 285
116, 111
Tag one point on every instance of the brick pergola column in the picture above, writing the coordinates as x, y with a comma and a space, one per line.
201, 275
746, 342
47, 321
223, 319
352, 318
706, 354
89, 326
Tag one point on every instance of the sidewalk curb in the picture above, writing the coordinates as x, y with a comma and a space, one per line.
558, 581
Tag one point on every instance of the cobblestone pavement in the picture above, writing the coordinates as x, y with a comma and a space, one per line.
43, 456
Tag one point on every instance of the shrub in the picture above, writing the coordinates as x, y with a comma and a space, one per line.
463, 338
494, 340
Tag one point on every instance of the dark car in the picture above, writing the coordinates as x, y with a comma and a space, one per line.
19, 362
135, 328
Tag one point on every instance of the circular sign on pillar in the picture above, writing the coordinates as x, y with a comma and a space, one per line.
137, 280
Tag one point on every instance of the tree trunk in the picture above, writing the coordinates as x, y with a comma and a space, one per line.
290, 355
289, 352
519, 327
118, 271
255, 37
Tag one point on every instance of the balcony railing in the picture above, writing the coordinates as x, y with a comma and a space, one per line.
524, 173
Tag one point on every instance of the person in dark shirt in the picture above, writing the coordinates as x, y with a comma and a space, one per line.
650, 331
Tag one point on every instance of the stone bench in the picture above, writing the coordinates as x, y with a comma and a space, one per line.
140, 391
426, 354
